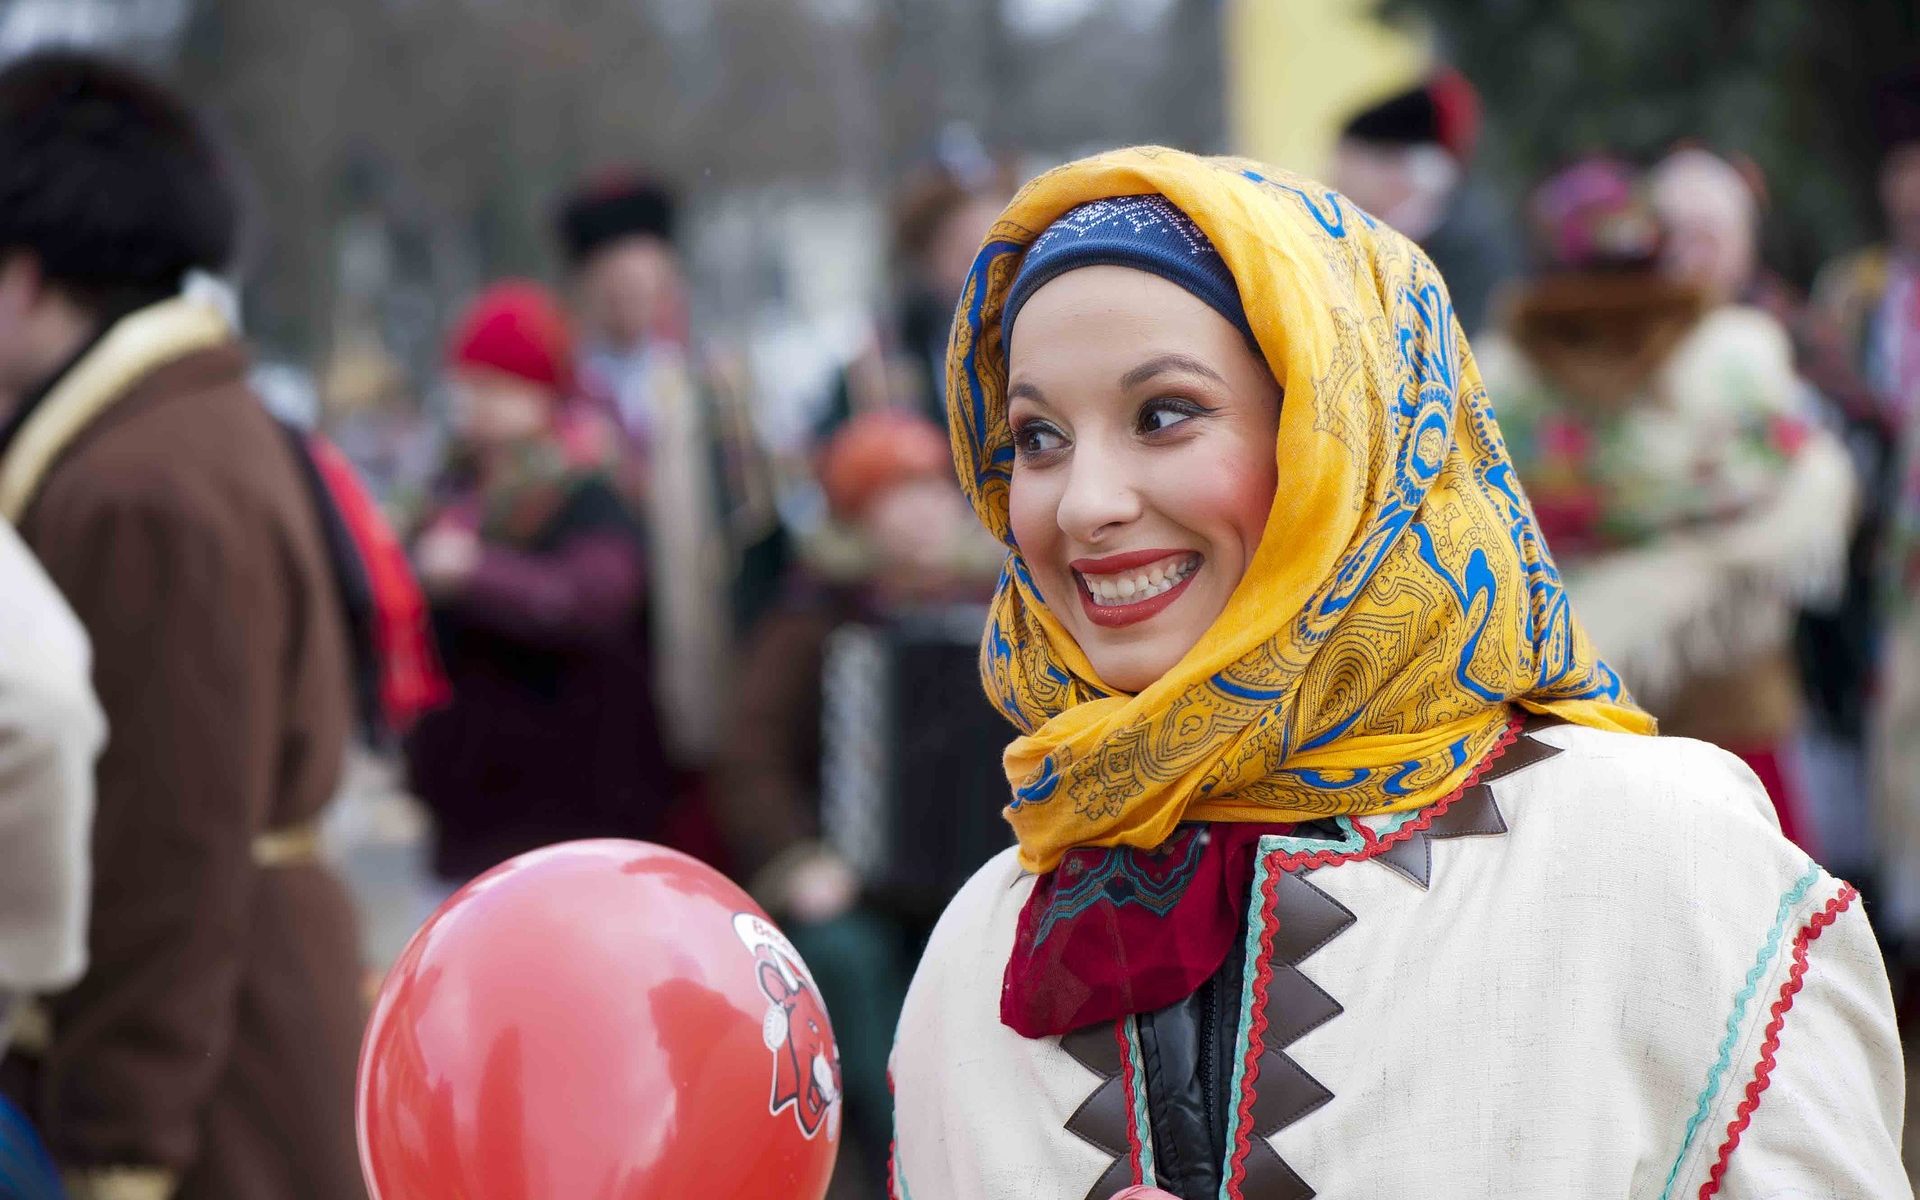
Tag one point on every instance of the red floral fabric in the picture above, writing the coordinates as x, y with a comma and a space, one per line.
1117, 931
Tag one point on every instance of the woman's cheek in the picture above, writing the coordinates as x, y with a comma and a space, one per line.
1216, 495
1031, 511
1250, 500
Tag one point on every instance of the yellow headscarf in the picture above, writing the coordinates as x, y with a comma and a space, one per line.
1400, 599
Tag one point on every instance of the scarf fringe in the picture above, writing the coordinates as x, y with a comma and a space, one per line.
1701, 603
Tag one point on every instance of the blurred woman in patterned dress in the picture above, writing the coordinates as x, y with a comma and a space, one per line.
1674, 458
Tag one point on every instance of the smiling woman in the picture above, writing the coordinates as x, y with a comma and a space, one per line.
1145, 469
1274, 610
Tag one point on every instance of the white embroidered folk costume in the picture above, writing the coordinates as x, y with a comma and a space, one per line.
1602, 973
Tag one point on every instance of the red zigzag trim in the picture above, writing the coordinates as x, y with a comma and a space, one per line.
1256, 1034
893, 1150
1374, 844
1770, 1045
1127, 1066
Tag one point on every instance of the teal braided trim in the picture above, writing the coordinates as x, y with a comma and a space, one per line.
1396, 820
1350, 841
1136, 1067
1257, 920
1715, 1074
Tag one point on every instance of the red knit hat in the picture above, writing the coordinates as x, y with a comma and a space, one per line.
517, 328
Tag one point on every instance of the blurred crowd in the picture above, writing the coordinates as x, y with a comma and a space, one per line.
1724, 465
587, 598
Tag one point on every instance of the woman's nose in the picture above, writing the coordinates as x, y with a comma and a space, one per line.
1100, 495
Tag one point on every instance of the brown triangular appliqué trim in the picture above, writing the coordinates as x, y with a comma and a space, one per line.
1472, 813
1103, 1119
1299, 920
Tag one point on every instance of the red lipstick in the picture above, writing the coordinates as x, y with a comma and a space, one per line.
1113, 564
1115, 615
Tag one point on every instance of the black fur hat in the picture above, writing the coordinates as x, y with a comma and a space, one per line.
612, 207
109, 179
1896, 109
1444, 111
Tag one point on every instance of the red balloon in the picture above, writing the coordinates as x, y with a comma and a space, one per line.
602, 1020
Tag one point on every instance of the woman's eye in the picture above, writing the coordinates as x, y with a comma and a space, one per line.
1037, 437
1164, 415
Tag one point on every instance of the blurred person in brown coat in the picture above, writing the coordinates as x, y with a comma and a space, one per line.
208, 1052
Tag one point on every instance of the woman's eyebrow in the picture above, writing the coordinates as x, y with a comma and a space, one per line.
1026, 390
1165, 363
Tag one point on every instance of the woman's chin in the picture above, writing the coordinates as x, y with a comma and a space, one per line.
1133, 669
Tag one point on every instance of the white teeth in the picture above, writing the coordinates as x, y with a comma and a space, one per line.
1141, 585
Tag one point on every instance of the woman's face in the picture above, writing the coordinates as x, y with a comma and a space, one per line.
948, 258
1144, 430
1709, 213
492, 409
631, 292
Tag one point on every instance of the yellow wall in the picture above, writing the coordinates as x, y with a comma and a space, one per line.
1296, 69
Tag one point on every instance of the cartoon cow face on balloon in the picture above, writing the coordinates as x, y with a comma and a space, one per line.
806, 1064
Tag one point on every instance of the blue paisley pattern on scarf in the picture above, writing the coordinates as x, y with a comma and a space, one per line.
1443, 605
1120, 876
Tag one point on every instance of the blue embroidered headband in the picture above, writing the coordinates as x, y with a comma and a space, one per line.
1147, 233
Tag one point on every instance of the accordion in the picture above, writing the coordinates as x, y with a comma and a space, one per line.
911, 785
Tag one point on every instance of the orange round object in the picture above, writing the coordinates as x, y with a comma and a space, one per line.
604, 1019
878, 450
